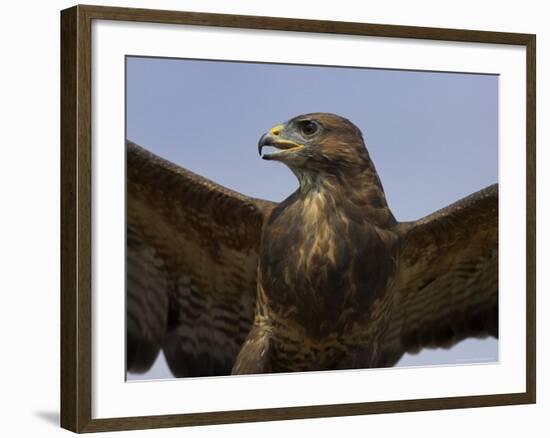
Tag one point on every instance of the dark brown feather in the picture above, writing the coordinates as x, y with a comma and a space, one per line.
192, 257
446, 288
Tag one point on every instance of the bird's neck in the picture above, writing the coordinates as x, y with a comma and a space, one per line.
359, 190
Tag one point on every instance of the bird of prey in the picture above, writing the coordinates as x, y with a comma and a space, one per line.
327, 279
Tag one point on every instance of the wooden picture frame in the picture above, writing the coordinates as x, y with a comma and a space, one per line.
76, 217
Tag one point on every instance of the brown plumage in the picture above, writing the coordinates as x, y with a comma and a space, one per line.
327, 279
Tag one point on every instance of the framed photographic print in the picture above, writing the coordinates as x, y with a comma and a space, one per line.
268, 218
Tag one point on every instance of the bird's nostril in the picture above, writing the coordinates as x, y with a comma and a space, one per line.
276, 130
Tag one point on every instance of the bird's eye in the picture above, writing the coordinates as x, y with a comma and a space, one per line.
308, 128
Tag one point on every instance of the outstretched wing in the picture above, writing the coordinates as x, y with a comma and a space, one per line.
446, 287
192, 250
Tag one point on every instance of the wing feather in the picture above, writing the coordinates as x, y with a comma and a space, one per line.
192, 251
446, 288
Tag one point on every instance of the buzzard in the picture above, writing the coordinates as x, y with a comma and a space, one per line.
327, 279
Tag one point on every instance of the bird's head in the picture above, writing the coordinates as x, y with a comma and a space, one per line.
316, 143
327, 154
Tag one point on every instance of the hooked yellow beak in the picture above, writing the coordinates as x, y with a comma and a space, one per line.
273, 138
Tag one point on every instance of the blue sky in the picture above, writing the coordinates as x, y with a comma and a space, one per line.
432, 136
